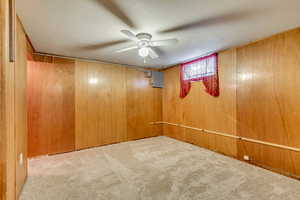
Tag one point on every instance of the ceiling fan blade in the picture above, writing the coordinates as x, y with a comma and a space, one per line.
113, 8
211, 21
130, 35
168, 42
102, 45
152, 53
127, 49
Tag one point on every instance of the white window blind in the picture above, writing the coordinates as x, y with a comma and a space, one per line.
200, 68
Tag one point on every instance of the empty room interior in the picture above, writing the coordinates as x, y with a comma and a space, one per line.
149, 100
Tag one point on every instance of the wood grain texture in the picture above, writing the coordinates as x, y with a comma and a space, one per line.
267, 104
9, 76
100, 104
114, 104
143, 106
5, 110
13, 128
268, 100
2, 110
172, 104
51, 96
118, 106
20, 107
200, 110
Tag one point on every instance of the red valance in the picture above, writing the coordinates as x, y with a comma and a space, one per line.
205, 69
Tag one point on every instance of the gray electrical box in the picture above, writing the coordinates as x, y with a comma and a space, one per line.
157, 80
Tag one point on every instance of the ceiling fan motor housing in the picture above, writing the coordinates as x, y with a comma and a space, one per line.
144, 39
144, 36
144, 44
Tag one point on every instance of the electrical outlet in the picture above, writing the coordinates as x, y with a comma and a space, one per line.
21, 159
246, 157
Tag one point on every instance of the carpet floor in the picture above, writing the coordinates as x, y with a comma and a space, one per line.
158, 168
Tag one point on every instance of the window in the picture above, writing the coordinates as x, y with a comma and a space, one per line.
203, 69
200, 68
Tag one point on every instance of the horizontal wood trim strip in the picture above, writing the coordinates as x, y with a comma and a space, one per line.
231, 136
193, 128
222, 134
271, 144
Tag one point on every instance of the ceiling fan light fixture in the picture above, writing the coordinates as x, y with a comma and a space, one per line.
145, 45
144, 52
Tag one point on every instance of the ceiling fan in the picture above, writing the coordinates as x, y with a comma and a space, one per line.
144, 44
147, 47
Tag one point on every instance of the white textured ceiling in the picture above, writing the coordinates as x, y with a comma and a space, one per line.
77, 27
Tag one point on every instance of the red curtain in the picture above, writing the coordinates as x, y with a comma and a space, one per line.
210, 82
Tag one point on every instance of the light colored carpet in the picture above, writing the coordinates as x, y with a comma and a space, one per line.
158, 168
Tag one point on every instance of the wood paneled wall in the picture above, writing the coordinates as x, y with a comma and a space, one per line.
20, 108
144, 105
4, 94
13, 128
51, 94
259, 100
100, 104
91, 104
268, 103
201, 110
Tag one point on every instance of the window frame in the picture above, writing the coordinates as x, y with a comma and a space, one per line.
201, 76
